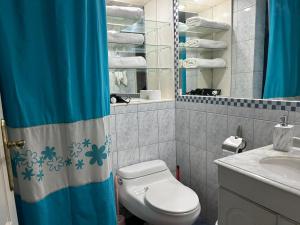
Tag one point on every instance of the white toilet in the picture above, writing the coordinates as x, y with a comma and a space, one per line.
150, 191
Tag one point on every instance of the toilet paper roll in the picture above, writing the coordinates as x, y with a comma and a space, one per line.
154, 95
233, 144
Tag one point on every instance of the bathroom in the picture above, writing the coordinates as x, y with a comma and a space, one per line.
159, 112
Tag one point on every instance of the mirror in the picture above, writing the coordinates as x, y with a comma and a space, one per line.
205, 47
237, 49
140, 44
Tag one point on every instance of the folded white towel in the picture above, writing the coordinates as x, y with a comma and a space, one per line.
200, 21
124, 80
125, 12
127, 62
182, 27
205, 43
120, 78
125, 38
204, 63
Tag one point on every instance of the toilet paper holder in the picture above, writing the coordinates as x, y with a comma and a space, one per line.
235, 144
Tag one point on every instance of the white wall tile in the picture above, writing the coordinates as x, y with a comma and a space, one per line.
183, 160
182, 125
147, 107
128, 157
127, 131
263, 133
241, 111
167, 153
149, 152
269, 115
125, 108
198, 129
198, 175
166, 125
247, 125
148, 128
242, 4
216, 132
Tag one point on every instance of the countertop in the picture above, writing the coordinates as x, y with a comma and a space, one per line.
248, 163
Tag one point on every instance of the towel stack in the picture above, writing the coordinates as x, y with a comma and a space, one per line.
203, 63
137, 62
198, 21
125, 38
205, 43
125, 12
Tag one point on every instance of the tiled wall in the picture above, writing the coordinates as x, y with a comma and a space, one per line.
248, 48
142, 132
200, 131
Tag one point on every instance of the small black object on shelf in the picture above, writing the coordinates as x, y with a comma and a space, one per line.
205, 92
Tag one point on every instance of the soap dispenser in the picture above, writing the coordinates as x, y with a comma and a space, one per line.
283, 135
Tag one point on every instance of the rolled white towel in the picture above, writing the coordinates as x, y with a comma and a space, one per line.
182, 27
205, 43
125, 12
204, 63
125, 38
200, 21
127, 62
180, 63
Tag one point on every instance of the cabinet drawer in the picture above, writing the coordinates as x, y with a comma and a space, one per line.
234, 210
284, 221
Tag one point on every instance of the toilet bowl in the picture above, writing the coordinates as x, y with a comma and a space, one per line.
150, 192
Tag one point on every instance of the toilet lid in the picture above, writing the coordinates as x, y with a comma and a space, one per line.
171, 197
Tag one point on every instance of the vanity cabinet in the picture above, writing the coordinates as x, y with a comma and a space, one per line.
284, 221
250, 194
235, 210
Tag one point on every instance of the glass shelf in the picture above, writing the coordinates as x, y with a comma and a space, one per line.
138, 69
198, 49
133, 26
130, 2
133, 48
199, 68
202, 31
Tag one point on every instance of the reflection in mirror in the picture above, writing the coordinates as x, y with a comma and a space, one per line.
283, 70
140, 44
205, 47
232, 49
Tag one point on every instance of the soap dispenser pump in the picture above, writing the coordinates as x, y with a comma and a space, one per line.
283, 135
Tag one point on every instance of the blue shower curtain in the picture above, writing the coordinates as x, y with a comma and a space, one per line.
55, 94
283, 68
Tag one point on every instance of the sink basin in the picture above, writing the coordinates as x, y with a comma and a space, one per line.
288, 167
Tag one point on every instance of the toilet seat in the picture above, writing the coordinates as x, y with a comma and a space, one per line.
171, 198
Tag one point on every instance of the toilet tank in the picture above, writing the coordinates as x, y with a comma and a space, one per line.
144, 173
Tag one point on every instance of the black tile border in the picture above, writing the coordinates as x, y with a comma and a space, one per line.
240, 102
236, 102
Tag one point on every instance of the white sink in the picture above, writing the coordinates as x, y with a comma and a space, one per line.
288, 167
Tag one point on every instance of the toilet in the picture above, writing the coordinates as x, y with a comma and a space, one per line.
150, 191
